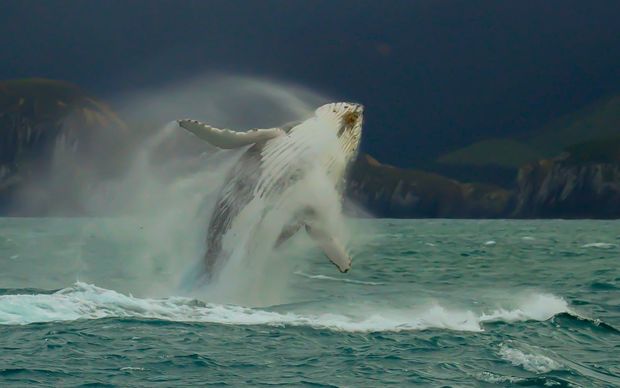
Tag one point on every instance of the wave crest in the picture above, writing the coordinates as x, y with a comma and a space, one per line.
532, 362
86, 301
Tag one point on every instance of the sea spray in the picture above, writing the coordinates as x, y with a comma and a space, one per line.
86, 301
171, 180
253, 271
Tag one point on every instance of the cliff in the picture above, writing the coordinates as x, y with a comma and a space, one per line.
388, 191
43, 122
584, 182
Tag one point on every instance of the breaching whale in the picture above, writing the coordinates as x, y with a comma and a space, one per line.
275, 159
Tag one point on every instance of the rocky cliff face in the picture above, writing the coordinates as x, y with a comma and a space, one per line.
44, 123
560, 188
387, 191
583, 182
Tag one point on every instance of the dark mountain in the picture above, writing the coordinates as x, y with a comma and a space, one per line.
45, 123
583, 182
497, 160
389, 191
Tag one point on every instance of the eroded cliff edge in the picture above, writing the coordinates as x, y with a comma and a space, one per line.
584, 182
389, 191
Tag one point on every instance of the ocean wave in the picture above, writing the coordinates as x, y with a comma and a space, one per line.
325, 277
600, 245
537, 307
493, 378
537, 381
593, 324
86, 301
531, 362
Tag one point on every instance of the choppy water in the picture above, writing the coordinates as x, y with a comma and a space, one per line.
428, 302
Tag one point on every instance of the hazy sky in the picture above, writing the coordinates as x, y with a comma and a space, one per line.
434, 75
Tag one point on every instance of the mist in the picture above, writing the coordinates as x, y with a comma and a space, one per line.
160, 201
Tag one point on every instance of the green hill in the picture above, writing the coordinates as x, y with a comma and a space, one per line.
596, 121
500, 152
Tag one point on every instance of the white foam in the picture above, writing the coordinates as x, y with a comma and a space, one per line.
131, 368
537, 307
493, 378
85, 301
490, 242
531, 362
330, 278
171, 182
601, 245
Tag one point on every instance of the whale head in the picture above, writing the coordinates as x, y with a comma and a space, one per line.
348, 118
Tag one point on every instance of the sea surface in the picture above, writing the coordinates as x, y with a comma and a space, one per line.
427, 303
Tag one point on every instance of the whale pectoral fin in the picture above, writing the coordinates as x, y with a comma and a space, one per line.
227, 139
287, 232
332, 248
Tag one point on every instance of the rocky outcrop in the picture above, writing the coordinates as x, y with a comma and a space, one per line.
388, 191
50, 125
560, 188
583, 182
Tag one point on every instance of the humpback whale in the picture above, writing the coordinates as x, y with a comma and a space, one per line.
275, 159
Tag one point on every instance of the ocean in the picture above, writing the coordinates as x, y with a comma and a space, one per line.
455, 303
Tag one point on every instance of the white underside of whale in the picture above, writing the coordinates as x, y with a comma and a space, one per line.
311, 143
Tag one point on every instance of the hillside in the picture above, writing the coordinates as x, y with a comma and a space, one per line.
598, 120
45, 122
582, 182
388, 191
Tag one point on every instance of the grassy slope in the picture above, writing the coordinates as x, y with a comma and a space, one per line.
502, 152
597, 121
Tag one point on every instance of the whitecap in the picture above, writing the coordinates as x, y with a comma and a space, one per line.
601, 245
536, 363
325, 277
86, 301
131, 368
490, 242
537, 307
489, 377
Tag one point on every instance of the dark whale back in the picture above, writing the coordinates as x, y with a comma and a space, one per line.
232, 198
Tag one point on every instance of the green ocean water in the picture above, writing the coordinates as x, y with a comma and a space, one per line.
98, 302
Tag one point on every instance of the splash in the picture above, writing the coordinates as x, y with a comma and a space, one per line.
171, 181
86, 301
255, 273
538, 307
